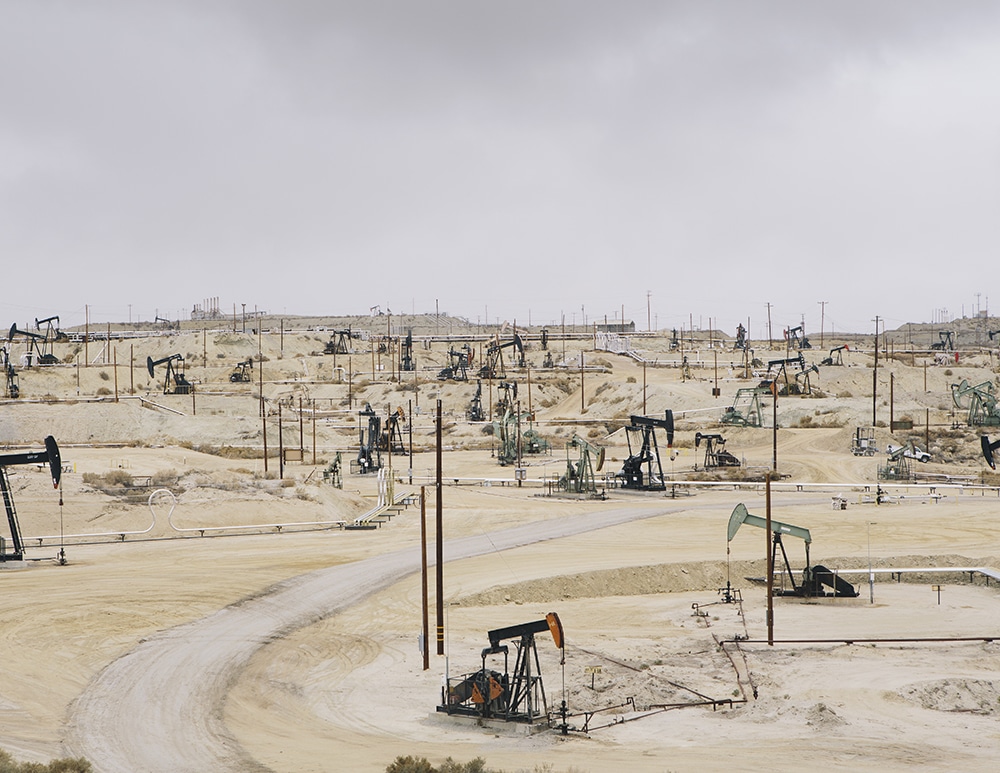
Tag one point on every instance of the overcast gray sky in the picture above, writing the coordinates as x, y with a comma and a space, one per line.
501, 158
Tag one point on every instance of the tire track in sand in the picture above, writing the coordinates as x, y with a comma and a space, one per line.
160, 707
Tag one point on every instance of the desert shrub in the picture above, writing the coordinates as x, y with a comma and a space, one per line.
948, 372
103, 391
163, 478
630, 380
118, 478
104, 375
65, 765
410, 765
564, 385
421, 765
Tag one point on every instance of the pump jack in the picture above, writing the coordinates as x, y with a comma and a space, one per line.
747, 409
517, 696
369, 456
241, 373
339, 343
475, 410
947, 342
506, 396
505, 429
836, 356
989, 449
459, 361
777, 373
980, 402
642, 469
813, 578
494, 365
392, 433
51, 456
716, 454
897, 466
10, 375
334, 471
579, 477
406, 354
741, 337
796, 338
43, 353
52, 332
174, 382
803, 384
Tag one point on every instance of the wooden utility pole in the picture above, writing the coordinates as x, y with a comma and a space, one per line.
263, 412
644, 387
439, 547
774, 431
875, 378
770, 561
426, 648
281, 447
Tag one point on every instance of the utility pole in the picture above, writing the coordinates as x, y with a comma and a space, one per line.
439, 526
770, 338
649, 328
770, 559
822, 320
875, 376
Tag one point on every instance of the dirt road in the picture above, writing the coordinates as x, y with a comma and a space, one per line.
159, 708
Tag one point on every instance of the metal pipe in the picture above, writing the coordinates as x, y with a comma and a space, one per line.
237, 527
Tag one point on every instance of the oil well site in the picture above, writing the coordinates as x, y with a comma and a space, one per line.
242, 542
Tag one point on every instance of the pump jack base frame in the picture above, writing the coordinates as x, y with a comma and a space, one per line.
491, 724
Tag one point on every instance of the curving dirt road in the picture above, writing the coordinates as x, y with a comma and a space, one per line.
159, 708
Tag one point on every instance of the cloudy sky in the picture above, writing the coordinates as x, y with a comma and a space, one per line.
508, 160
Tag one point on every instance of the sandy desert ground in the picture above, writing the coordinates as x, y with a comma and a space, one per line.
199, 636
